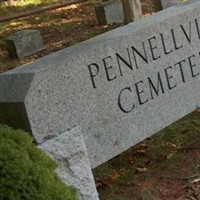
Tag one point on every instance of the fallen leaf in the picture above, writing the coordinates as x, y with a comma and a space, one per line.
147, 162
143, 146
141, 170
113, 178
170, 155
142, 151
110, 181
99, 182
196, 181
132, 159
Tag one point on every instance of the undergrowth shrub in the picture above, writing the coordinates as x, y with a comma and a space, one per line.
26, 173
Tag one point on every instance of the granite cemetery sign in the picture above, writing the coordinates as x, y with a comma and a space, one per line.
89, 102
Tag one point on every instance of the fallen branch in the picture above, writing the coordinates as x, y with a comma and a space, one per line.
39, 10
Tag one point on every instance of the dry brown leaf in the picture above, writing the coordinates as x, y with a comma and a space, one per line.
142, 151
110, 181
132, 159
143, 146
99, 182
113, 178
141, 170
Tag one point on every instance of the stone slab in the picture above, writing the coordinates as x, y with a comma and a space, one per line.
74, 169
169, 3
24, 43
109, 12
119, 88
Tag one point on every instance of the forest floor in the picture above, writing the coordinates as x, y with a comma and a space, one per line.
59, 28
163, 167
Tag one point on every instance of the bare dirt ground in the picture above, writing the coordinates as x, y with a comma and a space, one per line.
60, 28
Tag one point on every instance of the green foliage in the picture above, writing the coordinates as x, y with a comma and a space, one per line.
26, 173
